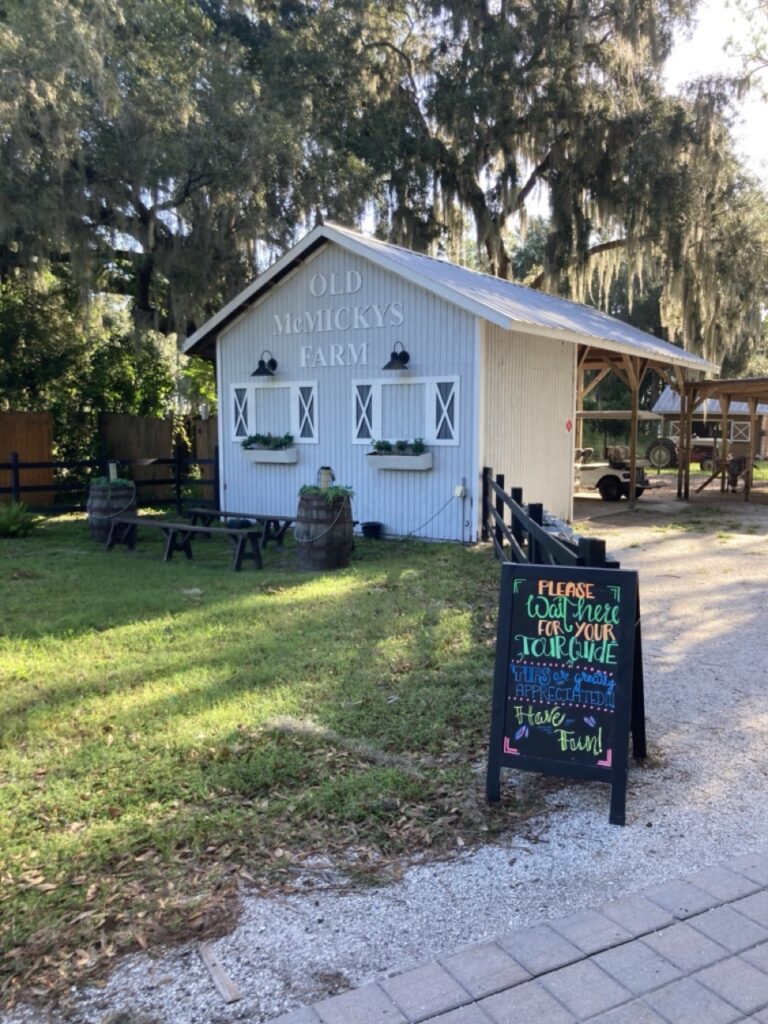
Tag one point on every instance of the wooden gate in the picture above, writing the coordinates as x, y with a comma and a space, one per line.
205, 446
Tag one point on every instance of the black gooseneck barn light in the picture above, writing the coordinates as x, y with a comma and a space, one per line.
398, 359
266, 368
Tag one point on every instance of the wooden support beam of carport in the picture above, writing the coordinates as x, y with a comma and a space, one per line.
725, 402
635, 369
752, 403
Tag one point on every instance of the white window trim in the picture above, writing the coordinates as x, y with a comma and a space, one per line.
292, 386
430, 404
739, 432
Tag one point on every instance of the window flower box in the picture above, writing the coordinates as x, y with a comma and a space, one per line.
274, 455
270, 448
421, 462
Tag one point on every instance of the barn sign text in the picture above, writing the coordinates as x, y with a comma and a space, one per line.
348, 317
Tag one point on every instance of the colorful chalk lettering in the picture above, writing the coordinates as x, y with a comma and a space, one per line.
568, 651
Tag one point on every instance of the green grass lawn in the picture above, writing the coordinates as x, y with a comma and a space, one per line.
171, 732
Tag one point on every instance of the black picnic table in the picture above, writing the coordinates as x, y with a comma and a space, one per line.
178, 537
273, 527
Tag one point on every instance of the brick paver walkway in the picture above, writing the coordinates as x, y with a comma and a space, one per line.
693, 951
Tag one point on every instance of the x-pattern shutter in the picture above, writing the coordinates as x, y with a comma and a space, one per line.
240, 411
445, 410
739, 431
363, 411
307, 425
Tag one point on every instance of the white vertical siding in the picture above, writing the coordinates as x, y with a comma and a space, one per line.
529, 389
441, 342
403, 413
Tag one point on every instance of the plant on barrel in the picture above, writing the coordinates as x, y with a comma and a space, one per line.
323, 527
104, 481
332, 495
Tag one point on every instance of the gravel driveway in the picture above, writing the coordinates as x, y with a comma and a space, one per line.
702, 797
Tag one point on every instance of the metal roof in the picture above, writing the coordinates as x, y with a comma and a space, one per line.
510, 306
668, 403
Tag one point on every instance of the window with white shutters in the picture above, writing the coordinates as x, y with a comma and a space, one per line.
406, 408
265, 407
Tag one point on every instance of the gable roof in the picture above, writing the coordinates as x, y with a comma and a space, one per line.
510, 306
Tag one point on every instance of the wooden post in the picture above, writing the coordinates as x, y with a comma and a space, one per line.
592, 552
536, 513
750, 447
516, 494
500, 510
177, 469
691, 404
485, 512
218, 501
15, 478
680, 441
724, 404
635, 370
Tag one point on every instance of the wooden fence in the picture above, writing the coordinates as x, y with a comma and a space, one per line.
522, 533
184, 479
30, 434
163, 468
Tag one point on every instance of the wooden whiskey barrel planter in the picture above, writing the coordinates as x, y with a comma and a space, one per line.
323, 532
105, 501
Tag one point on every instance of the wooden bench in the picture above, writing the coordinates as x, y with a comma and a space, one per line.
274, 527
178, 537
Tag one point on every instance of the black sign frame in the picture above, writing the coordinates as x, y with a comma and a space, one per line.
627, 691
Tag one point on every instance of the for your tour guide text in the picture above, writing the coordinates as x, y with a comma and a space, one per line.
571, 624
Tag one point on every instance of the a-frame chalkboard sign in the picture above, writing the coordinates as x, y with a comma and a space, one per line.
568, 684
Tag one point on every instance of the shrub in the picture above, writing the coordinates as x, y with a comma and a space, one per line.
16, 520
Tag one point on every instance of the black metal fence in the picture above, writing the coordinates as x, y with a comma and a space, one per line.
186, 478
522, 533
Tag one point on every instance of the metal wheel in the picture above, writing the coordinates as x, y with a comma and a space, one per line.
610, 488
661, 453
706, 465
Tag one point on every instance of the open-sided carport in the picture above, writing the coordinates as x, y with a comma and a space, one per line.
752, 391
631, 369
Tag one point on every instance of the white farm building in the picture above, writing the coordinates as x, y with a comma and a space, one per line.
491, 379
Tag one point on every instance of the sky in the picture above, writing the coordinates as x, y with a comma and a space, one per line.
704, 54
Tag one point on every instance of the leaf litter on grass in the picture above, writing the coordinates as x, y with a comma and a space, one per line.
160, 756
